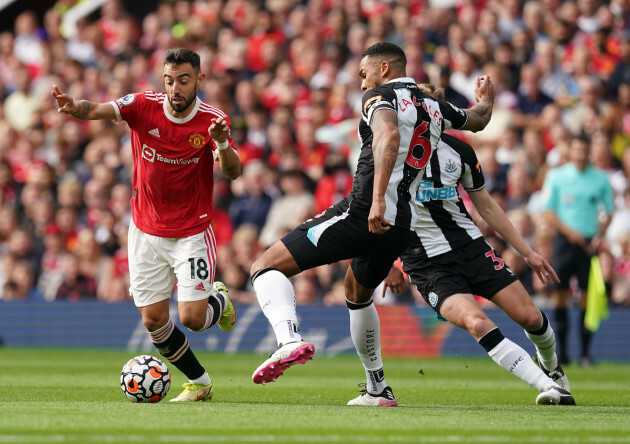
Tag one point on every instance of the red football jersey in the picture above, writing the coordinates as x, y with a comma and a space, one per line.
173, 164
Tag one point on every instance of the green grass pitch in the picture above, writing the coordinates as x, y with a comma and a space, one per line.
58, 396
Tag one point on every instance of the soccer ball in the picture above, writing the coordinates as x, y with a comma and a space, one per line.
145, 378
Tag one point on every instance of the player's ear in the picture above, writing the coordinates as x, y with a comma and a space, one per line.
385, 68
200, 79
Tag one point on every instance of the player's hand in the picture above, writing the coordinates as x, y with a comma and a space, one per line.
484, 89
394, 280
65, 103
543, 268
376, 219
219, 130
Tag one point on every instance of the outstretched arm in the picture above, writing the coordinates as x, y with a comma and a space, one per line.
385, 146
498, 221
479, 115
229, 162
82, 109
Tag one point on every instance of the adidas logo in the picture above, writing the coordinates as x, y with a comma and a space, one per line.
155, 132
200, 287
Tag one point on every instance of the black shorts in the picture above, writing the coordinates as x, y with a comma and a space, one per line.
474, 268
336, 235
568, 260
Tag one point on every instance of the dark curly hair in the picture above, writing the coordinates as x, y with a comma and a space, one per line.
181, 56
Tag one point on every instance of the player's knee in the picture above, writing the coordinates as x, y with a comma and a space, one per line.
191, 321
478, 325
531, 320
154, 322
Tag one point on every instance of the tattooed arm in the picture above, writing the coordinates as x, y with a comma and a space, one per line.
82, 109
479, 115
385, 151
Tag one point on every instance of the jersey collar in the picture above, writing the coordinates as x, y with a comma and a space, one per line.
192, 114
403, 80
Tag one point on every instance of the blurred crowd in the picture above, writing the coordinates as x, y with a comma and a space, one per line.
286, 72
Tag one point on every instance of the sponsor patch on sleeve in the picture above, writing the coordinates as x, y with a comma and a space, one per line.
126, 100
369, 102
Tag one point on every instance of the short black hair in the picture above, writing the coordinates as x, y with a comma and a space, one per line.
387, 50
181, 56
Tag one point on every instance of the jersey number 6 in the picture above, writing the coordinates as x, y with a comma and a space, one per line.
418, 139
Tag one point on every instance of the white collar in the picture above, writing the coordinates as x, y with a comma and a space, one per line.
403, 80
174, 119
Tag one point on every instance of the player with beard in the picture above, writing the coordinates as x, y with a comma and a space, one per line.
399, 129
175, 137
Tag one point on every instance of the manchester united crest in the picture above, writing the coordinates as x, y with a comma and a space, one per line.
197, 140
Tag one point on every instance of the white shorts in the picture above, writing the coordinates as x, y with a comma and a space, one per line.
155, 262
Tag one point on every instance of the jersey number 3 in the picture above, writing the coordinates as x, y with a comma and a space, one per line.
498, 262
417, 139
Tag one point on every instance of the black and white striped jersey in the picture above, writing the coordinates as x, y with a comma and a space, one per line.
421, 121
443, 223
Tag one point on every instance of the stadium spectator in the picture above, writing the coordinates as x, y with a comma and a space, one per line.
28, 44
619, 229
51, 275
294, 206
620, 279
21, 283
76, 285
451, 95
531, 100
465, 74
335, 183
554, 82
504, 57
575, 116
496, 174
252, 203
21, 105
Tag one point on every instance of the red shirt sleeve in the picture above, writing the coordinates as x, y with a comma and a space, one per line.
128, 108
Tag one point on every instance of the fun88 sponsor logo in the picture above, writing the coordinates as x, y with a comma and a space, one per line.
426, 192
